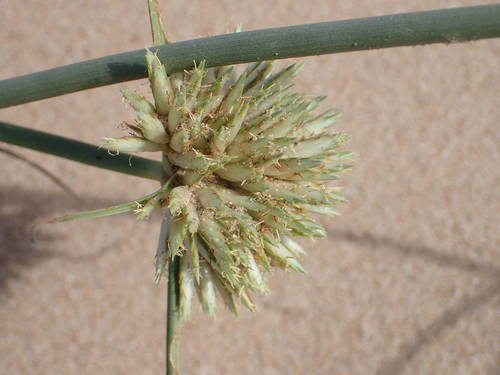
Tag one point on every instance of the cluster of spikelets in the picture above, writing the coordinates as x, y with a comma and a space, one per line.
247, 162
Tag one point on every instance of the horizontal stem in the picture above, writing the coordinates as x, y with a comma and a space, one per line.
436, 26
79, 151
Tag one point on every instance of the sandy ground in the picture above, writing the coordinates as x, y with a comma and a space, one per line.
407, 282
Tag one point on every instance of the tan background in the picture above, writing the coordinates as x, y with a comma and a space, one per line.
408, 281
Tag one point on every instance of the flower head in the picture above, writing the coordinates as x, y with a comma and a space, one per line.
248, 161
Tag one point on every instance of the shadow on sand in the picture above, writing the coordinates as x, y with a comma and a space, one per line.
20, 210
468, 305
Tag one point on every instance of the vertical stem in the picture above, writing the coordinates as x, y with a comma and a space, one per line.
172, 316
172, 341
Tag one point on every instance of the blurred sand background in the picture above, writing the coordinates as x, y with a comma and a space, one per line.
408, 281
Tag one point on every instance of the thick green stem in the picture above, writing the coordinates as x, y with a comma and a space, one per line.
418, 28
80, 151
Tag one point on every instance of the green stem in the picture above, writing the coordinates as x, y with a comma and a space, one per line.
172, 321
436, 26
172, 316
80, 151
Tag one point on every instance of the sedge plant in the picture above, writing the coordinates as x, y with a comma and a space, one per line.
245, 162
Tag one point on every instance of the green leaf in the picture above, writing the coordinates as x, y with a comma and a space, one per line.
79, 151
